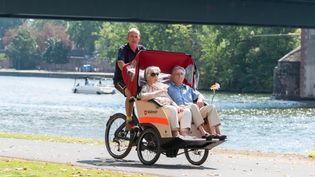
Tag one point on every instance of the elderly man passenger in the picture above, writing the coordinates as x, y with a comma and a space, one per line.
158, 91
184, 96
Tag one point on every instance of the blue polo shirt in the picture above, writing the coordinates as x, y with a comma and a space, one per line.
182, 95
127, 55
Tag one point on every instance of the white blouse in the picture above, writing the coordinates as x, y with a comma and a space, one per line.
162, 98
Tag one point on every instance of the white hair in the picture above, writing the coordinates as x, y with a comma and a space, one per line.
178, 68
133, 30
149, 69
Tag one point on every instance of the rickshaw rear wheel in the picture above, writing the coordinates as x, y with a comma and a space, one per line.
149, 146
118, 140
196, 156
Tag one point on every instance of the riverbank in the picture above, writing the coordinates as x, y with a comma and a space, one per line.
77, 140
53, 74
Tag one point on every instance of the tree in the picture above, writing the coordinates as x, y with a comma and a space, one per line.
6, 24
111, 37
240, 61
22, 50
175, 38
229, 55
43, 30
56, 52
40, 24
84, 34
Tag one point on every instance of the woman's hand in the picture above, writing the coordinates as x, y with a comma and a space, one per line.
163, 91
159, 92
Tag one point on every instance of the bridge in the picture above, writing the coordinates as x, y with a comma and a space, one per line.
287, 13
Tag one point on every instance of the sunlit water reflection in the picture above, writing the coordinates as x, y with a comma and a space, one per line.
251, 121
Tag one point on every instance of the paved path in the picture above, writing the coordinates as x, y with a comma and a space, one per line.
218, 163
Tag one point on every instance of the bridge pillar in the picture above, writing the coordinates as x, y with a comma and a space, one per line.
307, 65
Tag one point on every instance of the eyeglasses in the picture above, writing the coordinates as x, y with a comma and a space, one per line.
154, 74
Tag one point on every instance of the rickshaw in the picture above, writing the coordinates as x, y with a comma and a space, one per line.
153, 137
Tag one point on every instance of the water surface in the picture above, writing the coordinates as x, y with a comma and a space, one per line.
251, 121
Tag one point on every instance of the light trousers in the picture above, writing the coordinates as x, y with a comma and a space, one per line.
185, 119
178, 120
209, 112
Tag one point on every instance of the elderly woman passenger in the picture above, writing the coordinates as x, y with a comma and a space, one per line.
158, 91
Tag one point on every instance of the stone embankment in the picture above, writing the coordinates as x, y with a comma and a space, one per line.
54, 74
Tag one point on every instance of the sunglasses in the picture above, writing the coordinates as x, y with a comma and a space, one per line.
154, 74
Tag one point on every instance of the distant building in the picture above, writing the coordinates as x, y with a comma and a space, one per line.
286, 76
78, 58
80, 54
294, 76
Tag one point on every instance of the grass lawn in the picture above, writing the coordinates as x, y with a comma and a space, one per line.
17, 168
311, 153
52, 138
25, 168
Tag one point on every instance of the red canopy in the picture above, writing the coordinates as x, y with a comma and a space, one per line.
166, 61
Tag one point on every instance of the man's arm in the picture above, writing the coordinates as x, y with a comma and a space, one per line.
121, 58
198, 97
121, 64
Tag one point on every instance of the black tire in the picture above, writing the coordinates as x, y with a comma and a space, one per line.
118, 140
196, 156
149, 147
75, 91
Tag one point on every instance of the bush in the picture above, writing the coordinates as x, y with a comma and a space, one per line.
2, 57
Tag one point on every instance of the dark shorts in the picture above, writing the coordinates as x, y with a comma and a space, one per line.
120, 86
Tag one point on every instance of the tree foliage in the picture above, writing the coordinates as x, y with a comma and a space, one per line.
22, 50
48, 42
84, 34
241, 61
177, 38
6, 24
240, 58
231, 55
43, 30
111, 37
56, 52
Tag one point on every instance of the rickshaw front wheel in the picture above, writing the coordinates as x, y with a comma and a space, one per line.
196, 156
118, 140
149, 146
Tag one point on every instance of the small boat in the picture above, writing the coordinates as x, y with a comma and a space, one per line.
93, 86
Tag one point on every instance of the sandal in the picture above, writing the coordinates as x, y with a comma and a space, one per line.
207, 136
220, 137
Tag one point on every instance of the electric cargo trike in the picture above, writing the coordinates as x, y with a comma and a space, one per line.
154, 137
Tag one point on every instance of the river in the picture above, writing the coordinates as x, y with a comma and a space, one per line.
251, 121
